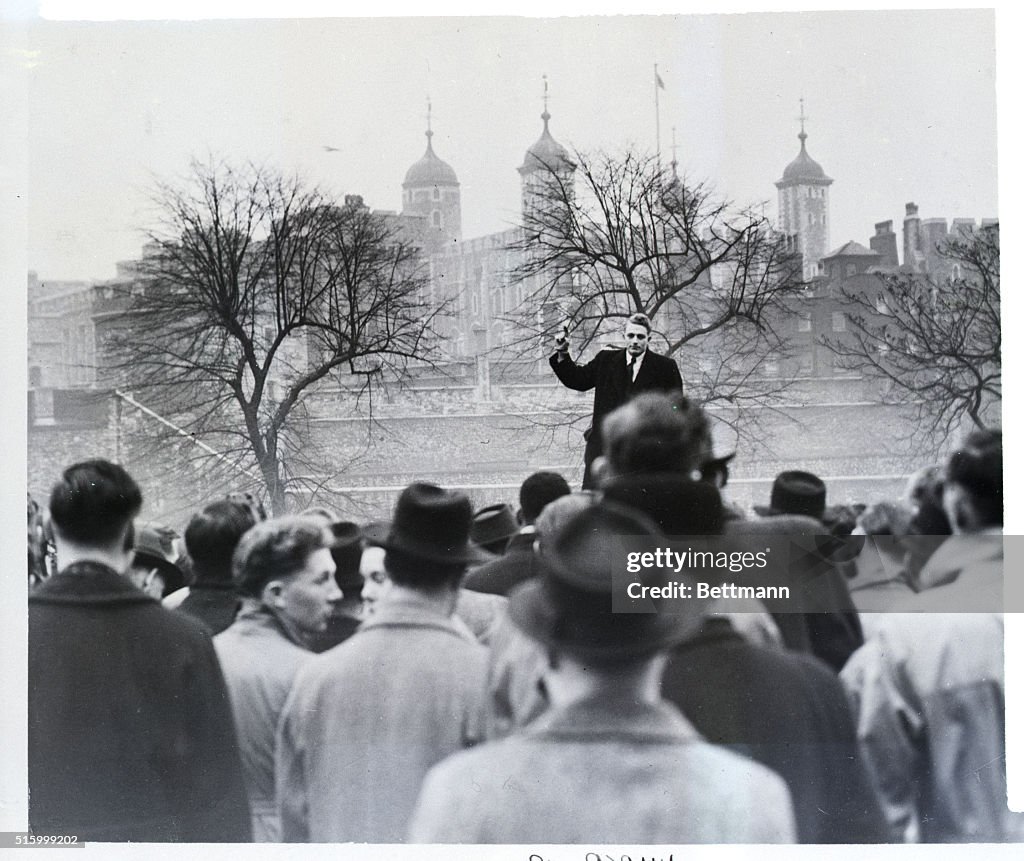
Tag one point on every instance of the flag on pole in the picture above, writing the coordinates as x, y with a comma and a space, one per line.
658, 80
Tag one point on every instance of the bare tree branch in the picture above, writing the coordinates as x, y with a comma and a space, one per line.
254, 290
629, 236
933, 340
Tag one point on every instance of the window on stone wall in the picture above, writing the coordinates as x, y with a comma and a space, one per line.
838, 321
803, 323
851, 269
771, 367
435, 218
437, 193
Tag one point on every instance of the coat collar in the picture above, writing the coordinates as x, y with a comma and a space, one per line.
406, 612
89, 583
957, 553
607, 719
255, 617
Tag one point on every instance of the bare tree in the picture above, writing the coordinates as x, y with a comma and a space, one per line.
933, 340
254, 289
621, 234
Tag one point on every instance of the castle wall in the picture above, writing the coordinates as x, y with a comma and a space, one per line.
489, 448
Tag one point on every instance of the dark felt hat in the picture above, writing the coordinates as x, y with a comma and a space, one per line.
795, 492
569, 607
347, 552
429, 523
154, 548
676, 503
493, 523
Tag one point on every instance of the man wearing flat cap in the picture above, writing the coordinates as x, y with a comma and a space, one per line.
611, 761
367, 720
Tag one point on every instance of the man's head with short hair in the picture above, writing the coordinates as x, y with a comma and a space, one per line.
276, 548
212, 536
640, 319
655, 433
637, 333
286, 563
537, 491
973, 492
94, 503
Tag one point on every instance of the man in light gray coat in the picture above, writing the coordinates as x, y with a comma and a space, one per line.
366, 720
611, 761
284, 571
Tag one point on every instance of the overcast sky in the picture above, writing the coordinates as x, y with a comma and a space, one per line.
900, 105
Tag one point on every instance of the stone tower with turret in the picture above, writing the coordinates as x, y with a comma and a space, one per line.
546, 162
431, 191
803, 205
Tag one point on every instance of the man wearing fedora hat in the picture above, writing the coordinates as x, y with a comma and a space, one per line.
366, 720
611, 761
493, 526
347, 613
785, 710
501, 575
797, 508
795, 492
154, 566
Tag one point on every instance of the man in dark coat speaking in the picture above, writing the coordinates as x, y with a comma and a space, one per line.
616, 376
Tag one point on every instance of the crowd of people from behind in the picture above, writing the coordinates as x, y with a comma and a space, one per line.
460, 676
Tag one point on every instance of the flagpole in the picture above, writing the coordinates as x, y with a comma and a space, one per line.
657, 117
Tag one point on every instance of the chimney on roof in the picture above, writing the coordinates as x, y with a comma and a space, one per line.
884, 242
912, 255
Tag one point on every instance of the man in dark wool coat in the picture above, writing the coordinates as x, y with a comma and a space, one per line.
616, 376
130, 734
